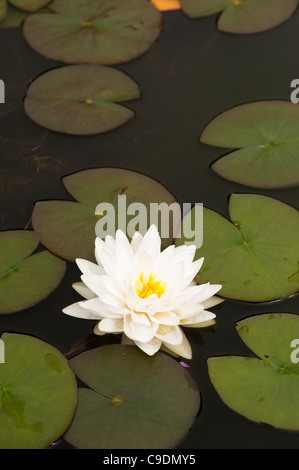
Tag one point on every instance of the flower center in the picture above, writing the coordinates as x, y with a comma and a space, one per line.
146, 288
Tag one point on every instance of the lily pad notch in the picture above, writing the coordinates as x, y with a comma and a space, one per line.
81, 99
242, 16
138, 402
264, 388
26, 279
67, 228
13, 12
103, 32
266, 135
254, 256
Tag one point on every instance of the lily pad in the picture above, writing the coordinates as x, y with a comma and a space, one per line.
30, 5
13, 18
137, 402
242, 16
268, 133
254, 257
38, 393
3, 9
263, 389
67, 228
26, 280
94, 31
81, 99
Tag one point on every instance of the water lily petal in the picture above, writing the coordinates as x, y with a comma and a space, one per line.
83, 290
97, 331
173, 336
104, 289
187, 310
110, 287
209, 303
93, 282
110, 242
209, 292
138, 332
201, 317
151, 347
185, 252
97, 307
131, 298
150, 244
198, 293
183, 349
123, 252
135, 242
165, 318
105, 257
87, 267
111, 325
191, 273
140, 318
75, 310
200, 324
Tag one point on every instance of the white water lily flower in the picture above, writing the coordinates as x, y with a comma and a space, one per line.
143, 292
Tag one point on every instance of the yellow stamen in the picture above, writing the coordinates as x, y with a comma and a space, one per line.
88, 101
145, 289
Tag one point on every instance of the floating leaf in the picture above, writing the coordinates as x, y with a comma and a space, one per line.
30, 5
24, 279
68, 228
80, 99
197, 9
135, 401
3, 9
255, 257
38, 393
14, 17
268, 133
94, 31
263, 389
242, 16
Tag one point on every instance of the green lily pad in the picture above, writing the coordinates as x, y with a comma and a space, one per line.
3, 9
81, 99
263, 389
38, 393
14, 17
254, 257
267, 133
242, 16
198, 9
26, 280
30, 5
134, 401
94, 31
67, 228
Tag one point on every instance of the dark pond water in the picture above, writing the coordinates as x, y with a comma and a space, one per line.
189, 76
